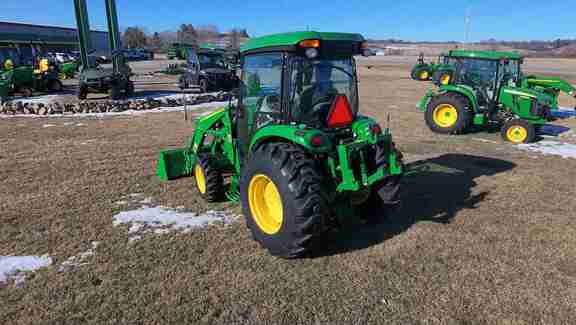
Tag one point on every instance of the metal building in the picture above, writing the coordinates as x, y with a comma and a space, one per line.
47, 38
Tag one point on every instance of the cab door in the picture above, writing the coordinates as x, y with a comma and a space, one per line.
260, 102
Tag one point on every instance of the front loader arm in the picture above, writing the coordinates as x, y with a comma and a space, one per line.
556, 85
176, 163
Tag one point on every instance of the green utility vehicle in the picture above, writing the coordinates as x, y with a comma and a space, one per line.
92, 77
178, 51
298, 154
487, 88
423, 71
208, 70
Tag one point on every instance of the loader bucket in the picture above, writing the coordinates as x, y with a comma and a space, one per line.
174, 163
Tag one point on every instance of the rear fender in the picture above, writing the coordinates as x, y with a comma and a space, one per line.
465, 91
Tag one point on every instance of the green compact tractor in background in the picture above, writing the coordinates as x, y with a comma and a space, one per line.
295, 150
423, 71
483, 88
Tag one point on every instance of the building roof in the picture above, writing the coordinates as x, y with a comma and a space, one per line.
45, 26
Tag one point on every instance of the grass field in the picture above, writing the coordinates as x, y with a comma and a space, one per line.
486, 232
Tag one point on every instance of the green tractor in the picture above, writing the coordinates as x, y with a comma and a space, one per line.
297, 153
423, 71
487, 88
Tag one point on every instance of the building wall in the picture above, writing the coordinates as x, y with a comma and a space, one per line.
50, 38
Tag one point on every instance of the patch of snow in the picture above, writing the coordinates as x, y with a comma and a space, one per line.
554, 148
48, 125
120, 202
161, 220
44, 99
147, 200
79, 259
127, 112
11, 266
484, 140
135, 195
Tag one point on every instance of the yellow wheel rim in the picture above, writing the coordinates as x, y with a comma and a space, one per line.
445, 115
445, 79
200, 179
265, 204
424, 75
517, 134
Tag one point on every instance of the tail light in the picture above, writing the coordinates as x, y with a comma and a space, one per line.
375, 129
340, 114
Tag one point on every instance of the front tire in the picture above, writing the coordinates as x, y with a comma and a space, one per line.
283, 199
209, 180
448, 114
518, 131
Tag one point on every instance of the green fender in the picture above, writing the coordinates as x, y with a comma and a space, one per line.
460, 89
295, 134
465, 91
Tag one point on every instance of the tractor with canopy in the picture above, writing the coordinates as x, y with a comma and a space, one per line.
294, 149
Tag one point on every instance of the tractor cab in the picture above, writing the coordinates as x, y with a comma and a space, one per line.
485, 72
310, 83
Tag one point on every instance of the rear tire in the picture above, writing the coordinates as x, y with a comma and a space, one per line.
289, 219
518, 131
203, 83
421, 73
448, 114
54, 86
26, 91
208, 179
82, 92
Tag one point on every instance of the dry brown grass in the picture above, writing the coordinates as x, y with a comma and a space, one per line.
486, 233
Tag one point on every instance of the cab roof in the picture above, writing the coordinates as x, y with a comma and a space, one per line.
284, 40
487, 55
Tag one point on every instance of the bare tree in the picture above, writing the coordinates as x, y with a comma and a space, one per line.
234, 39
155, 41
134, 37
207, 34
187, 34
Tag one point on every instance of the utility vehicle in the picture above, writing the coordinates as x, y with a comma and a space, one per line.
294, 149
207, 69
487, 88
92, 77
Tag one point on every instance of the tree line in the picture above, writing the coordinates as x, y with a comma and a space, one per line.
136, 37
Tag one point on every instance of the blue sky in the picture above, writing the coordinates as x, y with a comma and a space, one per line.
408, 19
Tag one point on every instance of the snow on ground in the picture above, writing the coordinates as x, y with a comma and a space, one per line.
44, 99
161, 220
190, 108
79, 259
554, 148
11, 267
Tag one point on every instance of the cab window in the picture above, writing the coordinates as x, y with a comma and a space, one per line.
261, 88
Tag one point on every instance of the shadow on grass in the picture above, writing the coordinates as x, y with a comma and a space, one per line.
433, 190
